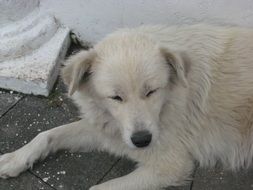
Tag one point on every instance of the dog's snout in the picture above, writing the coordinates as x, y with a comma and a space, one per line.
141, 138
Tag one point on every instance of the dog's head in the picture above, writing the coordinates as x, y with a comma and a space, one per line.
131, 76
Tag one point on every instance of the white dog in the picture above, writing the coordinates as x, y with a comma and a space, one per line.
162, 96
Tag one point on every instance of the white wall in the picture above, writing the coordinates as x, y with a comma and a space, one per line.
92, 19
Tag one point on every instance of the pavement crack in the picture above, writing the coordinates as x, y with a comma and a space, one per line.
12, 106
38, 177
110, 169
32, 173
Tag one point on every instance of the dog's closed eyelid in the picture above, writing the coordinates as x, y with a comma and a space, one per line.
117, 98
149, 93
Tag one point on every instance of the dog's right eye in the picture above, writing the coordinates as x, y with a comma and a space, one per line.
117, 98
151, 92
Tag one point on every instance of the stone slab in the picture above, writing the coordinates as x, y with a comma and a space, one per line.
7, 100
25, 181
30, 116
219, 179
77, 171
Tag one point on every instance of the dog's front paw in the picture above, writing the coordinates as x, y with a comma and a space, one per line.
11, 165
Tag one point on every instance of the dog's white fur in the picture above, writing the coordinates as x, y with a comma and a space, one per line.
202, 108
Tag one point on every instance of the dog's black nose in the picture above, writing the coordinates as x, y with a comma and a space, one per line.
141, 138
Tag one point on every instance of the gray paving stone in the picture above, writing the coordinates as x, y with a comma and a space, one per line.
218, 179
74, 171
31, 116
25, 181
7, 100
64, 170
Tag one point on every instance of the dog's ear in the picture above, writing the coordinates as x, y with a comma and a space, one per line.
77, 69
179, 65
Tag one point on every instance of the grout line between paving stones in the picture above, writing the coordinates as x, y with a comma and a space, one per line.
110, 169
7, 111
12, 106
38, 177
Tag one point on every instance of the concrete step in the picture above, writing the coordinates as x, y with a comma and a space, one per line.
31, 53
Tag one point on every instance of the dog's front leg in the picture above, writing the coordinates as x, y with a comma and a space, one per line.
154, 177
73, 136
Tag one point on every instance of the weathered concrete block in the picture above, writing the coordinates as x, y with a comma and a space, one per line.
31, 51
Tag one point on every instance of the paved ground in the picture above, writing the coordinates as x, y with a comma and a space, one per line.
23, 116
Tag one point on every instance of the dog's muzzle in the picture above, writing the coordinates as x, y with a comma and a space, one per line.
141, 138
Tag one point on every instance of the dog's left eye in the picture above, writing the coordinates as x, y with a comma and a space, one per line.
151, 92
117, 98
